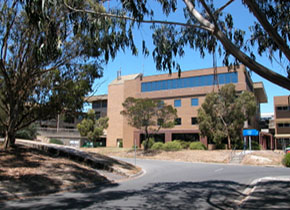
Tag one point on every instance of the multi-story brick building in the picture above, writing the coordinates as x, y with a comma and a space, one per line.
282, 121
185, 93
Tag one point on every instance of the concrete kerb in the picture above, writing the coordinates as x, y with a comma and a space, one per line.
253, 185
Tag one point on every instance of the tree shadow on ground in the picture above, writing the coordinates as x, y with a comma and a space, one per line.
170, 195
269, 195
17, 156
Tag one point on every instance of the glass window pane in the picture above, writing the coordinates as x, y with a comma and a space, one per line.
177, 103
194, 102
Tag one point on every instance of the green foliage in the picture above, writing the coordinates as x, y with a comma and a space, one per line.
197, 146
184, 144
29, 132
92, 128
147, 114
256, 145
222, 115
51, 56
55, 141
172, 146
286, 160
157, 146
121, 144
220, 146
148, 143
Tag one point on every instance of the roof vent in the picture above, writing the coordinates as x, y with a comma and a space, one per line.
119, 74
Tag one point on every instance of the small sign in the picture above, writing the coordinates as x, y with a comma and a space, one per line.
250, 132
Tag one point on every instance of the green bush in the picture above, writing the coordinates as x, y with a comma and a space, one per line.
29, 132
184, 144
286, 160
55, 141
256, 145
197, 146
157, 146
150, 142
220, 146
172, 146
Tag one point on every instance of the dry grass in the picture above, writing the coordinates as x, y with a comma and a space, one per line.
216, 156
28, 172
264, 158
260, 158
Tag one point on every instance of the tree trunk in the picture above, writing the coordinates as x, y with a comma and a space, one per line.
229, 142
9, 139
146, 139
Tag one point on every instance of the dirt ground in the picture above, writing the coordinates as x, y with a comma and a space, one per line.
262, 158
29, 172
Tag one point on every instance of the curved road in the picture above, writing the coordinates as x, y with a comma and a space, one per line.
172, 185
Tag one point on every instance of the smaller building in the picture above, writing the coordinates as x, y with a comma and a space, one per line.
282, 121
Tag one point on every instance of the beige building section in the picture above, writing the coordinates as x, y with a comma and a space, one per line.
282, 117
130, 85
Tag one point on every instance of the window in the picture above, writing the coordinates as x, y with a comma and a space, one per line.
104, 103
97, 104
193, 121
98, 115
177, 121
282, 108
194, 102
177, 103
198, 81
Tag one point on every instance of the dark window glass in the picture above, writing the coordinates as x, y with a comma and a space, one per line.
97, 104
98, 115
280, 125
104, 103
193, 121
177, 121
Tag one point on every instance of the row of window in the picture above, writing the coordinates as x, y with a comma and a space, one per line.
283, 108
188, 82
178, 121
194, 102
283, 125
100, 104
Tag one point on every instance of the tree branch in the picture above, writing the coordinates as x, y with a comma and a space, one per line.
237, 53
223, 7
134, 19
283, 46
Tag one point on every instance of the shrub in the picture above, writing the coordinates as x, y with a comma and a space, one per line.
29, 132
157, 146
172, 146
150, 142
197, 146
286, 160
220, 146
256, 145
184, 144
55, 141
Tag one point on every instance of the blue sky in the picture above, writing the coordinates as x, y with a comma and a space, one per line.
139, 64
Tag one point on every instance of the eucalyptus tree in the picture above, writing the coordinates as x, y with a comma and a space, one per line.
209, 29
50, 56
148, 115
223, 114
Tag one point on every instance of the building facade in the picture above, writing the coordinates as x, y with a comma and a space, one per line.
282, 121
185, 93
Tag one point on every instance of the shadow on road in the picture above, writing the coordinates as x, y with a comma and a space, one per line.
180, 195
269, 195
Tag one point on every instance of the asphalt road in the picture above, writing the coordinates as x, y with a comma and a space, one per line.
174, 185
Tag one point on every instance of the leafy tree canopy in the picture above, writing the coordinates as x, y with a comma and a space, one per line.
92, 128
207, 28
222, 115
50, 57
148, 115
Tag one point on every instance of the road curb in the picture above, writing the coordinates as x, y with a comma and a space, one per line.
253, 185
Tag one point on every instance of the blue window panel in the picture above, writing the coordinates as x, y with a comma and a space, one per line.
194, 102
209, 80
174, 83
177, 103
228, 78
235, 77
164, 85
143, 87
178, 83
221, 78
195, 81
